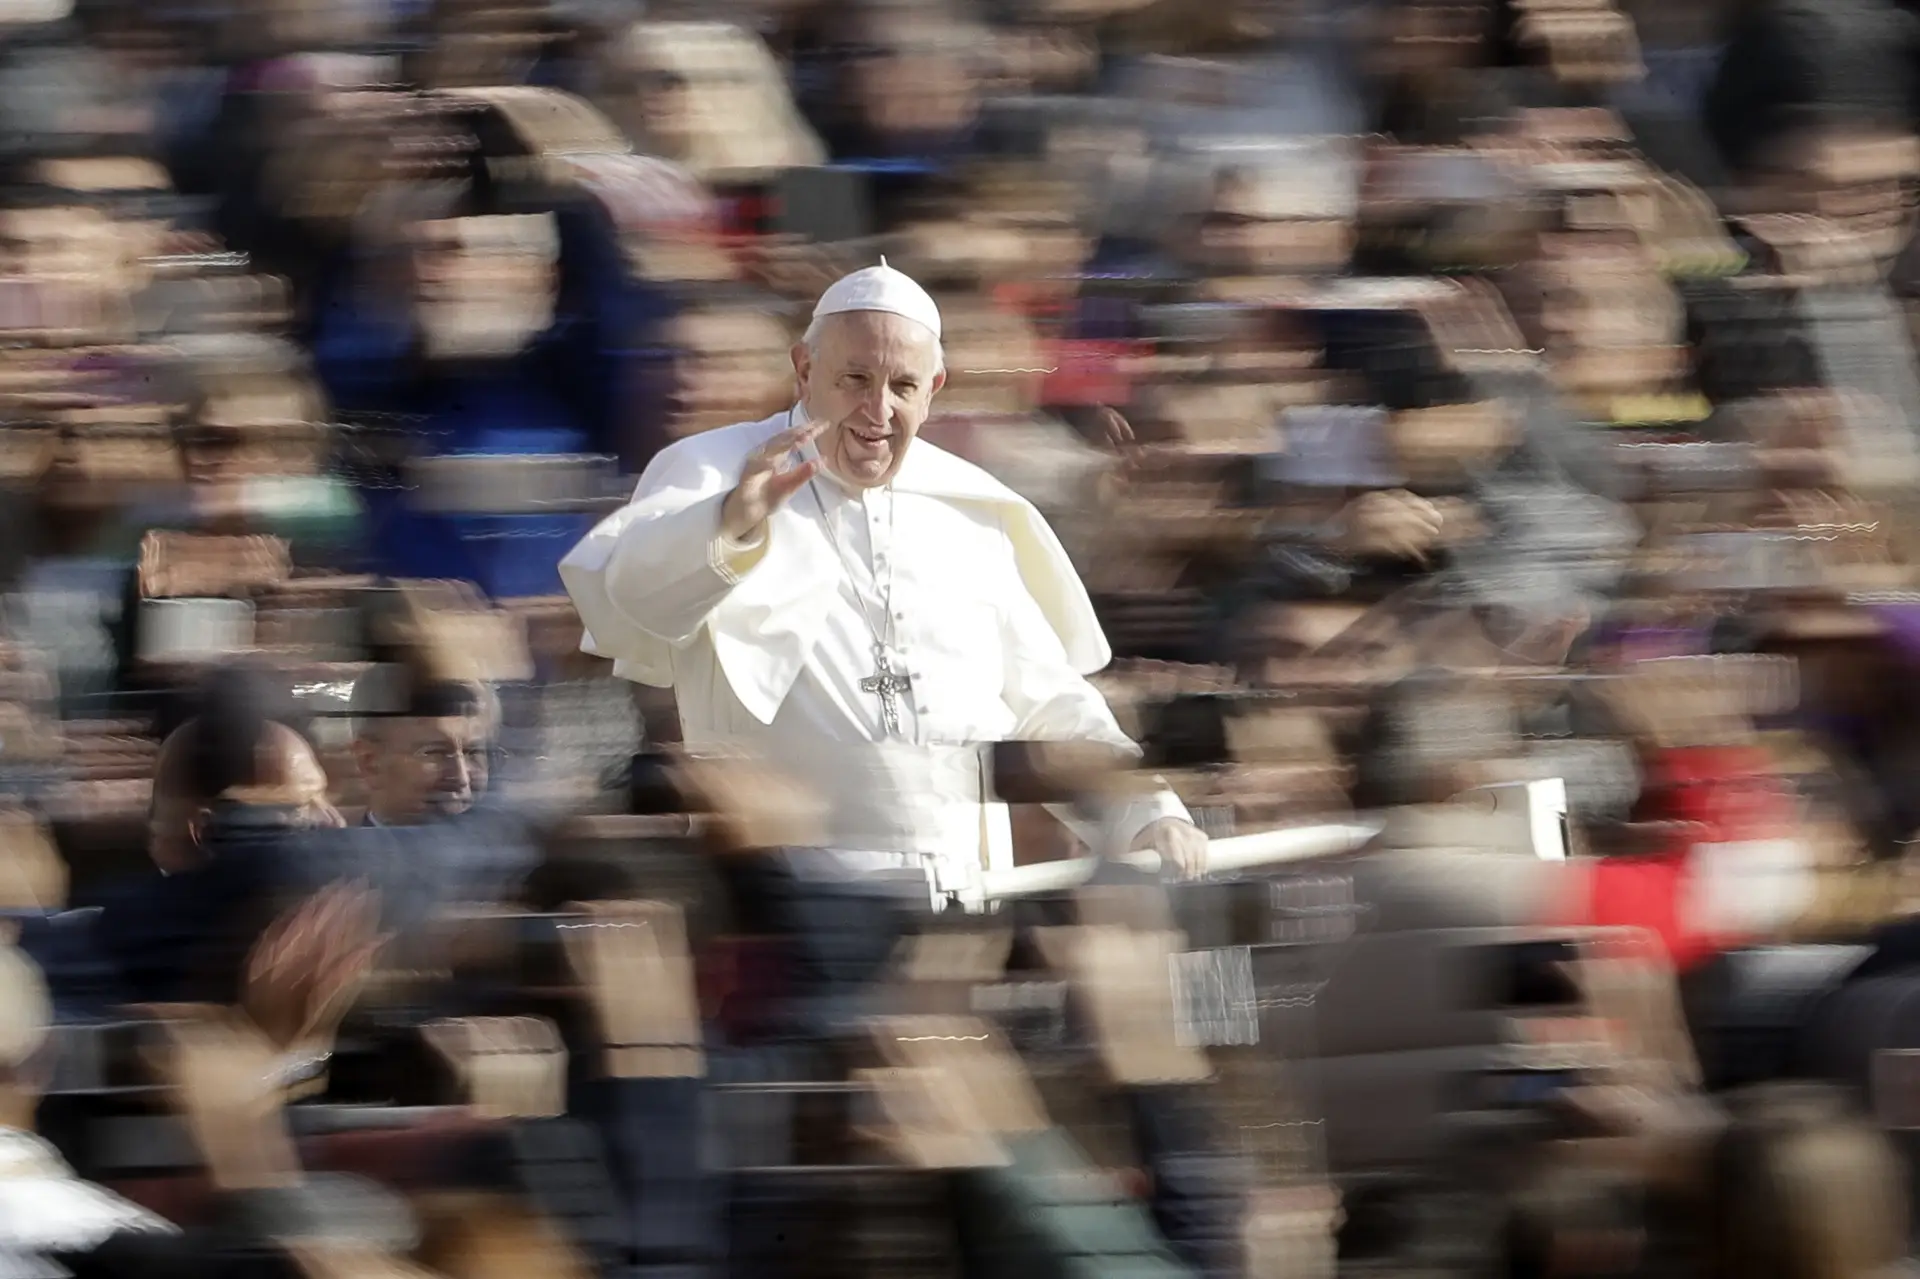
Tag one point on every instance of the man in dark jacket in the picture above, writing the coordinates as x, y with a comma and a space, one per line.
432, 836
232, 787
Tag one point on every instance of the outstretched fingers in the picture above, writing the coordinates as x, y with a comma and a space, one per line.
783, 484
776, 449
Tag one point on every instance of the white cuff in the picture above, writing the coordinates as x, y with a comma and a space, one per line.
724, 555
1125, 822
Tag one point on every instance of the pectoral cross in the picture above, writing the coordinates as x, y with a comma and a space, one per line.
889, 685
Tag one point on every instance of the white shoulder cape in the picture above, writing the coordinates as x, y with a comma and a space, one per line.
768, 623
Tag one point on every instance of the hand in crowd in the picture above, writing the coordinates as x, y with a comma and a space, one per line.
792, 267
1388, 524
1460, 521
770, 478
228, 1086
1115, 431
306, 969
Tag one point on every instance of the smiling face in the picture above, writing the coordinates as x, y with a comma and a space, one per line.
871, 376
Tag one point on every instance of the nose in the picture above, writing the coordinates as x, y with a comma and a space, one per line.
878, 407
457, 774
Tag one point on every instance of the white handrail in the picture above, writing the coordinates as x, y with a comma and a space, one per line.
1224, 856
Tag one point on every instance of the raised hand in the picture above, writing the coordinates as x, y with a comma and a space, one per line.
772, 475
307, 967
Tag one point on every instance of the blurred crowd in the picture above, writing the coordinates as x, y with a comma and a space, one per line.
1489, 431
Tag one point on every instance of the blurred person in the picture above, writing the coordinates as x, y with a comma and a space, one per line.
444, 315
1802, 1184
724, 359
426, 756
708, 95
1011, 231
1430, 740
453, 323
219, 1063
860, 610
714, 362
232, 787
237, 746
905, 82
434, 844
989, 414
1260, 221
72, 270
1704, 847
425, 745
48, 1214
1787, 63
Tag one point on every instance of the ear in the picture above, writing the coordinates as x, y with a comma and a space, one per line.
802, 363
939, 381
197, 826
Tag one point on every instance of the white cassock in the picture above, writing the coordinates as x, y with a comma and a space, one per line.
766, 646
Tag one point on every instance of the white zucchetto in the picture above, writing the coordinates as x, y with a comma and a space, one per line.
880, 288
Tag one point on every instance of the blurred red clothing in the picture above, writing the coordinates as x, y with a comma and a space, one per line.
1714, 797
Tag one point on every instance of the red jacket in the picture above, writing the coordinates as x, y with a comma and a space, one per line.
1716, 796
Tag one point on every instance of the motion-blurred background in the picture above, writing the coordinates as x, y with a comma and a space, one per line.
1490, 433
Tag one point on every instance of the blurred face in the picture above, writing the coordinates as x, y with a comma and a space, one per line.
421, 770
726, 368
304, 787
983, 355
910, 80
872, 379
256, 430
481, 286
61, 267
290, 773
664, 102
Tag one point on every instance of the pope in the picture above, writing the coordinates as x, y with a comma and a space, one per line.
861, 610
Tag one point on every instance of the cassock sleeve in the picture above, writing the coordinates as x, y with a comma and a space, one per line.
660, 565
1053, 702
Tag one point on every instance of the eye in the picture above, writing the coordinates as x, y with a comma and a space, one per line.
906, 387
854, 379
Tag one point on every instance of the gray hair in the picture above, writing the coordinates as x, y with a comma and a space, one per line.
811, 340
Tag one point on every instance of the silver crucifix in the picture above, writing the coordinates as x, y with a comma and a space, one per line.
889, 684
